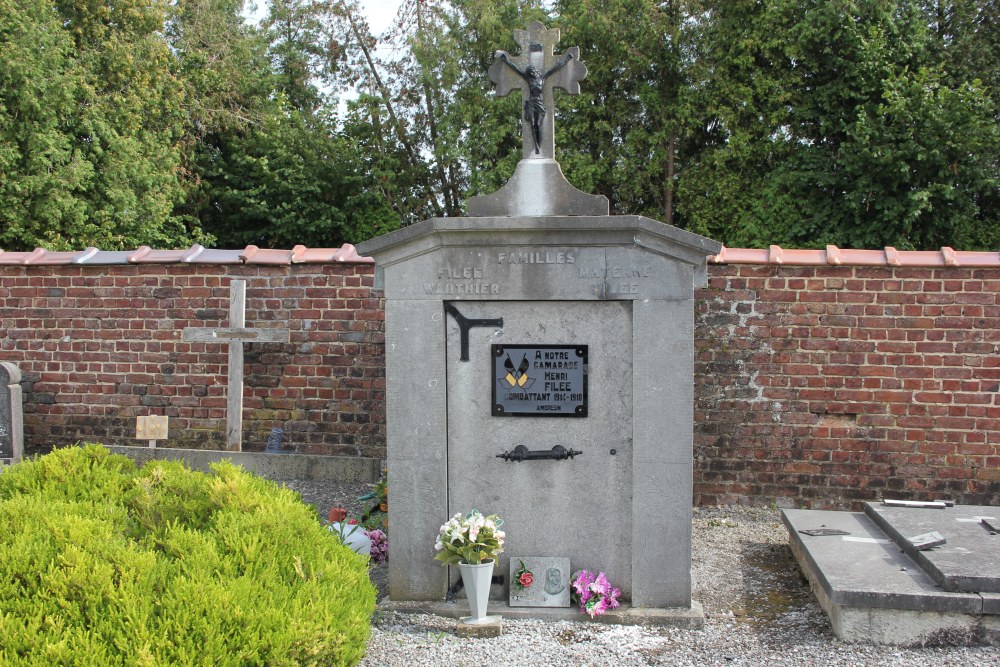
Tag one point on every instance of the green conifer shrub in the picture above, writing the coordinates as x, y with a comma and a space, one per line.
104, 564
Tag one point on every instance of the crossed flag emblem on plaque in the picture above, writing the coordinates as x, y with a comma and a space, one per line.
518, 377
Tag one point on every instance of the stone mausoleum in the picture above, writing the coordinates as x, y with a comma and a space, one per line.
539, 365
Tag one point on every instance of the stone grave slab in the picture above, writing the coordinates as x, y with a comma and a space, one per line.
864, 568
873, 592
969, 560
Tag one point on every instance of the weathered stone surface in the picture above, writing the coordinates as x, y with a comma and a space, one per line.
11, 419
623, 286
927, 541
545, 503
873, 592
969, 561
492, 627
273, 466
865, 568
689, 617
586, 258
537, 188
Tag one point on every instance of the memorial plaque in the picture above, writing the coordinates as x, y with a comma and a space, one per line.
539, 380
539, 582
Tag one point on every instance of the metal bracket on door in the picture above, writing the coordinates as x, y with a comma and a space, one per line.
466, 323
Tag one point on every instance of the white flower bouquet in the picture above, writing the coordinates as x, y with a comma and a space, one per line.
472, 538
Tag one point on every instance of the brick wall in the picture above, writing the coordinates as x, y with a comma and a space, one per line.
819, 386
815, 385
98, 346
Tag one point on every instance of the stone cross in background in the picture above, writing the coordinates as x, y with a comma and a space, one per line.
536, 72
235, 335
11, 424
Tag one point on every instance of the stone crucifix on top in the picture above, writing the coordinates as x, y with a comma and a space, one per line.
536, 72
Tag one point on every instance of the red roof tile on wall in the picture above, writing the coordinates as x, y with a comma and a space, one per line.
196, 254
835, 256
775, 254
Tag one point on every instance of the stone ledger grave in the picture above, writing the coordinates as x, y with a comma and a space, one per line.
539, 365
878, 583
11, 416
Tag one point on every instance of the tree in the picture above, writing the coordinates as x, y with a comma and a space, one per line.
833, 124
426, 113
799, 122
623, 135
268, 164
289, 180
90, 126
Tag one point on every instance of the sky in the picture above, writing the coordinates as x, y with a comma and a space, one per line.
380, 13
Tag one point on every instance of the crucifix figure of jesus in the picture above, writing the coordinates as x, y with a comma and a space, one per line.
536, 72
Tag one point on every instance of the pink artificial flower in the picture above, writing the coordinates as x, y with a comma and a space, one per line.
613, 600
599, 608
601, 586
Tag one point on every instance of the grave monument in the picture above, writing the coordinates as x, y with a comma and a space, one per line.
11, 420
539, 365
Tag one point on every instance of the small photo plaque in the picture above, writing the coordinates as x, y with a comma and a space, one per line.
540, 380
539, 581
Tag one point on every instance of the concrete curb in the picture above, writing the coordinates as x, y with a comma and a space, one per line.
273, 466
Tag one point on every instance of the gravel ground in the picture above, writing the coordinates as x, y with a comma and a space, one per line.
759, 611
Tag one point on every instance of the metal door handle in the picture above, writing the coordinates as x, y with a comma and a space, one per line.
522, 453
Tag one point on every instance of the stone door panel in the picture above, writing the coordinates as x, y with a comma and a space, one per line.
581, 506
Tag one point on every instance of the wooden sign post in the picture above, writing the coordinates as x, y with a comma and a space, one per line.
235, 335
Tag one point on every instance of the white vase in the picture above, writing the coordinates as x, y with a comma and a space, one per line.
353, 535
477, 580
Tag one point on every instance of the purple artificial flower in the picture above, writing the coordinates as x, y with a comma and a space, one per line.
379, 546
599, 608
613, 599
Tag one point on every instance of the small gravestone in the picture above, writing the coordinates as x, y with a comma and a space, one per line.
11, 424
